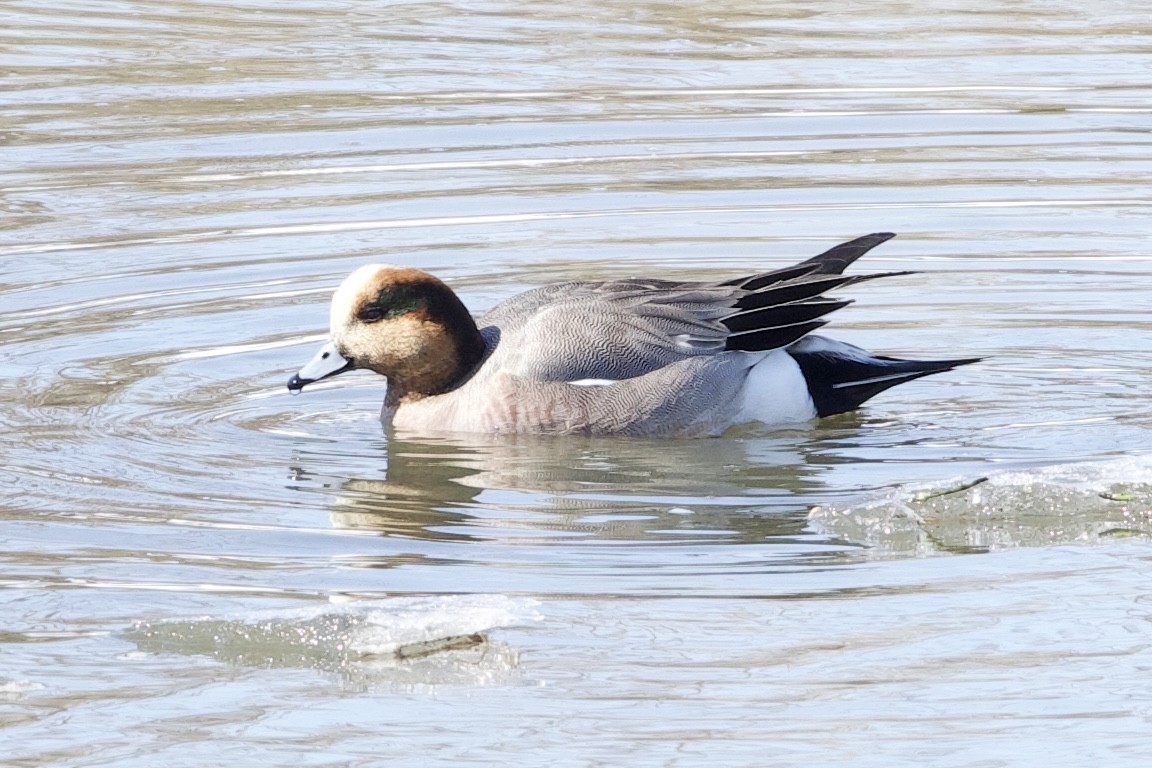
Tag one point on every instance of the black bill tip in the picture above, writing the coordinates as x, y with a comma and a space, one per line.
296, 384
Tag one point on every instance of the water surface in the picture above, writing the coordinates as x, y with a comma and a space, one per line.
199, 568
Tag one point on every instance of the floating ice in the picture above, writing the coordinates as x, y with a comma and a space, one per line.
354, 638
1082, 502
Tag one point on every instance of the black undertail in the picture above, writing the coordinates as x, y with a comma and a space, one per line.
841, 380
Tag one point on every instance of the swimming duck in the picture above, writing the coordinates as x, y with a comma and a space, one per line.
635, 357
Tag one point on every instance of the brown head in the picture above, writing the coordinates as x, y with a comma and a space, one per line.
403, 324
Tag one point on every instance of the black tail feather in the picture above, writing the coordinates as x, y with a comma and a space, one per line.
785, 314
838, 258
805, 288
782, 306
761, 339
842, 377
832, 262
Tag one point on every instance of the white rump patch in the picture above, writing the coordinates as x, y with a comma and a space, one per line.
775, 392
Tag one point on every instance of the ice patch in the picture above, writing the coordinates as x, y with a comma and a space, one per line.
1084, 502
413, 624
359, 639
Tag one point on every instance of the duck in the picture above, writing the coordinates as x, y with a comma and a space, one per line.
637, 356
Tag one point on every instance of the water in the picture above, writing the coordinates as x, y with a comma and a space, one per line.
198, 568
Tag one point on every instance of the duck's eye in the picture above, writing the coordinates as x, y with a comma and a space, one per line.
370, 313
393, 301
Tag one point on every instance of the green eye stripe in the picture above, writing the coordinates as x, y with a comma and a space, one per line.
393, 301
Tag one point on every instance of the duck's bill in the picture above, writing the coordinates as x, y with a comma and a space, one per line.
327, 362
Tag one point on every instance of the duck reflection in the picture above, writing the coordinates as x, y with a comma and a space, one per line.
527, 488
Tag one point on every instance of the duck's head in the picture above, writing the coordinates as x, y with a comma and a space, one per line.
401, 323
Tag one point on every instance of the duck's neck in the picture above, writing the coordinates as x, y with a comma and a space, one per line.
457, 351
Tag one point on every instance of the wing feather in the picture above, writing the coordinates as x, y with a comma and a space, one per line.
621, 329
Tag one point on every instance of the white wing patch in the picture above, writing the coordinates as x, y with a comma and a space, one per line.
594, 382
696, 344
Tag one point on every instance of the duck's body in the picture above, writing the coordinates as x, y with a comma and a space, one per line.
635, 357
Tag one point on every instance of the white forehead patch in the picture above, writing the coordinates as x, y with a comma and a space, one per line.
345, 298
